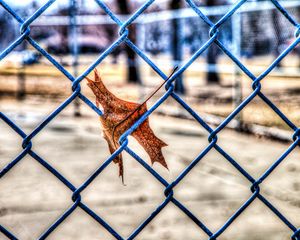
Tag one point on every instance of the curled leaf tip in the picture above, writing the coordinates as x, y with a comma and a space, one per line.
97, 75
90, 81
165, 165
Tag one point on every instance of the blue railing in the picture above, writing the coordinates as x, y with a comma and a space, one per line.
254, 184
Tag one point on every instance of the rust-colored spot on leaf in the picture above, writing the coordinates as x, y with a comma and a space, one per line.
120, 115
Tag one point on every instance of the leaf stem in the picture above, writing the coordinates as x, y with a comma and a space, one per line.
152, 94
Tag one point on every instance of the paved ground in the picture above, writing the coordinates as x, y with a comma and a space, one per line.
31, 198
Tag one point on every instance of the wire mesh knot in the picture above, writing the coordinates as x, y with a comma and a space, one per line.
123, 140
296, 135
169, 190
297, 32
170, 86
76, 197
25, 29
255, 187
76, 87
213, 237
213, 138
296, 235
256, 85
214, 32
123, 31
27, 144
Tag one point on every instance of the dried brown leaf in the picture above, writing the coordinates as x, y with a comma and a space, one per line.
120, 115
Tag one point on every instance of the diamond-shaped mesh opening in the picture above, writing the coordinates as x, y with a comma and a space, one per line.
213, 190
256, 222
31, 198
126, 206
284, 93
79, 225
174, 122
172, 223
93, 34
38, 83
154, 30
282, 187
75, 146
214, 95
255, 164
35, 114
179, 159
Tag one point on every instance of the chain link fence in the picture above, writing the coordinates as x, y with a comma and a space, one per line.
214, 32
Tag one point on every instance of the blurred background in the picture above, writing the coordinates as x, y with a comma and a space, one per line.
169, 32
76, 32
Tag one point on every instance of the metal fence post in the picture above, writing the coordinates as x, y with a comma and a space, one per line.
237, 44
74, 48
177, 42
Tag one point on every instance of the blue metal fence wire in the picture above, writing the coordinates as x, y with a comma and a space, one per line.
213, 138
